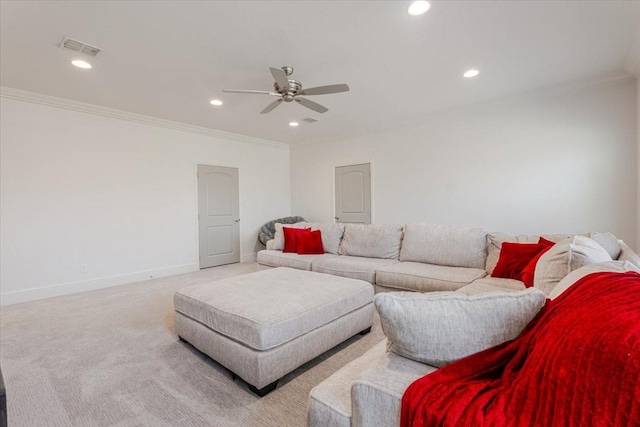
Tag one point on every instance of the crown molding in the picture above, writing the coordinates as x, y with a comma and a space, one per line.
67, 104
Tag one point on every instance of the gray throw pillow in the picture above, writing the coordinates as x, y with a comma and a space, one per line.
437, 328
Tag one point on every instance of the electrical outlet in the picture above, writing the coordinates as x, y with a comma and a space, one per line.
84, 268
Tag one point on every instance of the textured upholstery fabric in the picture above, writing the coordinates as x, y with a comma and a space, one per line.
268, 230
371, 240
330, 401
266, 309
416, 276
574, 276
440, 327
270, 244
331, 235
627, 254
273, 258
495, 239
566, 256
351, 266
377, 393
444, 245
492, 283
608, 241
278, 236
260, 368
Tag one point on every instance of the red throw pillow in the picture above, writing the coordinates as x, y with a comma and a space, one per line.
514, 257
310, 243
530, 269
291, 238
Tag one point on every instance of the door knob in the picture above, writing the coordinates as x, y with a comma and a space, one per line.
236, 220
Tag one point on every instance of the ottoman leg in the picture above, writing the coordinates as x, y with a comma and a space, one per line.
365, 331
264, 391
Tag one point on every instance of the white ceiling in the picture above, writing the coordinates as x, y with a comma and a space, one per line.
167, 59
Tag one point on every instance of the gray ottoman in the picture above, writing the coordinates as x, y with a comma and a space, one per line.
264, 325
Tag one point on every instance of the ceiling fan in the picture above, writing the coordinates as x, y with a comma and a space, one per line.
289, 90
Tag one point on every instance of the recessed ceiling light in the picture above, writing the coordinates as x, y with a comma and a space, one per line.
418, 8
293, 124
471, 73
216, 102
81, 64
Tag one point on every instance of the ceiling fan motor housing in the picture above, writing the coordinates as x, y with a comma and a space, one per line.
290, 92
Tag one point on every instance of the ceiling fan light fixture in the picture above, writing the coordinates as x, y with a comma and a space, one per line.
293, 124
470, 73
418, 8
215, 102
81, 64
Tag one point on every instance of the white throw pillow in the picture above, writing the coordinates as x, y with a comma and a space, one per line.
564, 257
331, 235
441, 327
574, 276
444, 245
278, 237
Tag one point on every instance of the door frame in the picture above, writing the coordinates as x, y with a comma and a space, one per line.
333, 187
196, 222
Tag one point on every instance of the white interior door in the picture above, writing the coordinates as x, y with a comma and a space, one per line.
218, 215
353, 194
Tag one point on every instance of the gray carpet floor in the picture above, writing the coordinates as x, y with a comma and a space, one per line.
111, 358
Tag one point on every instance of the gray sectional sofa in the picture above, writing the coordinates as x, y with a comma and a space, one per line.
414, 268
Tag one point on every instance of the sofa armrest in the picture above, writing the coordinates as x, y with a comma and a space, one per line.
376, 394
627, 254
270, 244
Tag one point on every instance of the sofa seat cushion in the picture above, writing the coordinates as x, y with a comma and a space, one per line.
376, 394
492, 284
351, 266
416, 276
273, 258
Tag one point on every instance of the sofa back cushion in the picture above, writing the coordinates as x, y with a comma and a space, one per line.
495, 240
441, 327
575, 275
444, 245
331, 235
278, 237
564, 257
371, 240
608, 241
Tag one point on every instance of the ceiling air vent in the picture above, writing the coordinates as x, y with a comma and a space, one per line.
78, 46
309, 120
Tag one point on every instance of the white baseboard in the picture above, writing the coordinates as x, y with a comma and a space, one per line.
33, 294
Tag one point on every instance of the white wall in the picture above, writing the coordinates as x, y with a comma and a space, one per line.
638, 163
118, 196
562, 161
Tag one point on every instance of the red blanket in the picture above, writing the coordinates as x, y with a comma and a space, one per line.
576, 364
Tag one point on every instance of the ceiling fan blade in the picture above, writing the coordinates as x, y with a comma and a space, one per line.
312, 105
325, 90
261, 92
271, 106
280, 77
